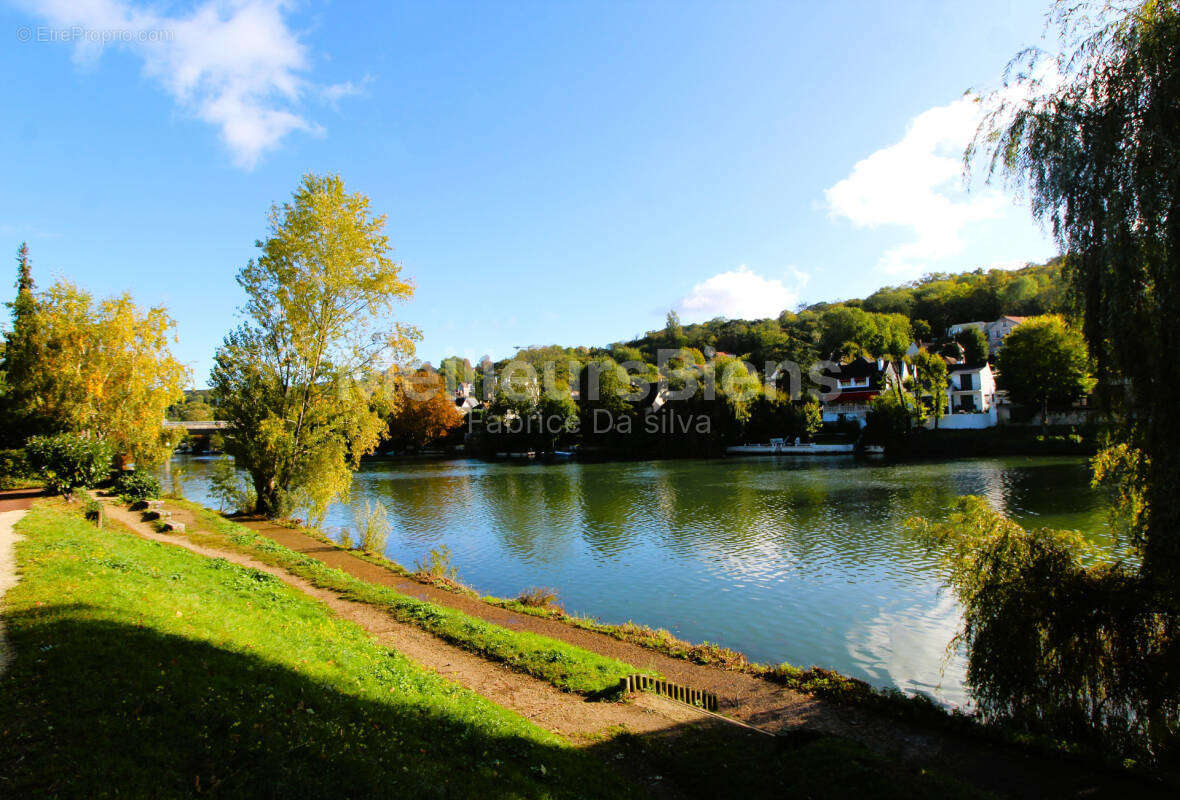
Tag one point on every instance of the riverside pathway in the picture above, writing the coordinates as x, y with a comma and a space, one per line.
748, 699
561, 712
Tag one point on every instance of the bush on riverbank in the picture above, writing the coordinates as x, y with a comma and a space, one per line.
136, 486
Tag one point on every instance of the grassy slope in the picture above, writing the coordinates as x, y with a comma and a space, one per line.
142, 669
563, 665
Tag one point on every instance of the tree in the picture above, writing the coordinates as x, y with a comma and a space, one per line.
1096, 150
424, 410
1045, 363
890, 420
930, 384
197, 410
558, 416
455, 372
18, 357
845, 329
300, 381
974, 344
102, 369
674, 332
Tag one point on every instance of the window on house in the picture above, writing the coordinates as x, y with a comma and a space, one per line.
966, 383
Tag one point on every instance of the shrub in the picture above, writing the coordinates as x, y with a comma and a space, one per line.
537, 597
69, 461
437, 565
93, 511
373, 526
14, 467
136, 486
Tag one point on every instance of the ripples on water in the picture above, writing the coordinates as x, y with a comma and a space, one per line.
785, 558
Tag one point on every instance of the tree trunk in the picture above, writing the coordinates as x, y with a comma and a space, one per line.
267, 493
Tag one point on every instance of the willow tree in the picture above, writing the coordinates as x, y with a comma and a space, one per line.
299, 382
1094, 140
1093, 137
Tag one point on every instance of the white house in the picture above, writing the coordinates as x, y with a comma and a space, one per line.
959, 327
972, 388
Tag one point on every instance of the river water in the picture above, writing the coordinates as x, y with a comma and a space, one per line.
786, 558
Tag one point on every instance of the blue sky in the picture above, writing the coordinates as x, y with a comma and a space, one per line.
553, 172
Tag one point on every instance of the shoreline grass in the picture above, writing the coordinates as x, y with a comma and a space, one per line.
145, 670
565, 666
827, 684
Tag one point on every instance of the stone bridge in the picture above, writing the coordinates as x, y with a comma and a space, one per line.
198, 431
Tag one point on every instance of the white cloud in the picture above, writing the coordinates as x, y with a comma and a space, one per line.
232, 63
739, 294
916, 184
337, 91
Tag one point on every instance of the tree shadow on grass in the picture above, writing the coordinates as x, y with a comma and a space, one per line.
111, 709
98, 708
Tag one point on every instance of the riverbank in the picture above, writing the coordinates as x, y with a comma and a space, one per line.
745, 696
232, 680
746, 552
1000, 441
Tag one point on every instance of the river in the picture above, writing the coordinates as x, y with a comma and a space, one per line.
786, 558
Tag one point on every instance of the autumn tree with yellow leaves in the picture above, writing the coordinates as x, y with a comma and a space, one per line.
101, 368
303, 381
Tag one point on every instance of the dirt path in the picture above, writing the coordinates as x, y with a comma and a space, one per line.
12, 508
567, 714
743, 697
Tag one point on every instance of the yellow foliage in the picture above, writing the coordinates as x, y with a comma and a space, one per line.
104, 368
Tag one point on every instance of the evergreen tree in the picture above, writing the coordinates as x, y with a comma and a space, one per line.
18, 359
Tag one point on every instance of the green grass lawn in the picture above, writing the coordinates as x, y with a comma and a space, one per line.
145, 670
565, 666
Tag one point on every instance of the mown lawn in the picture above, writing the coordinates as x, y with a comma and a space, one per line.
563, 665
145, 670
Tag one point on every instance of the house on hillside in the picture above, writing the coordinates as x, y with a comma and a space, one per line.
959, 327
466, 404
857, 383
996, 331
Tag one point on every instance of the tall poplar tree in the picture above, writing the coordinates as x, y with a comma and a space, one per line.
300, 382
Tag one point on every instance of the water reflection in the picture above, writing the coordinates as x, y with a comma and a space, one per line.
788, 558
